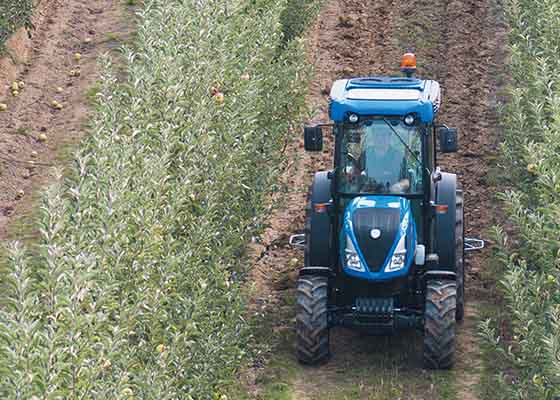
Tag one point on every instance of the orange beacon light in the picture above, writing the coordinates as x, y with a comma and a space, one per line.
408, 64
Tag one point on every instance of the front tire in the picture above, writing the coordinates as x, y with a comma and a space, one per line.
312, 342
439, 324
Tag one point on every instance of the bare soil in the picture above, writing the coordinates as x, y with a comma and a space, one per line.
44, 63
17, 53
460, 44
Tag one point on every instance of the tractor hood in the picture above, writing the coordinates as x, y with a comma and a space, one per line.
378, 239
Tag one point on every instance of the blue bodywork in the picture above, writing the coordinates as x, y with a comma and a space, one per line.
387, 97
406, 228
384, 96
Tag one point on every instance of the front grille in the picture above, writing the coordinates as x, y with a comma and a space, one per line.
376, 250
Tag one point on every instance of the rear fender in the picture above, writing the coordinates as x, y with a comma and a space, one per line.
446, 191
319, 227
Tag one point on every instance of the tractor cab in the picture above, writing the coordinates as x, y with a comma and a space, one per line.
384, 228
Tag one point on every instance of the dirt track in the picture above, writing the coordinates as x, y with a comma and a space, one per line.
64, 27
459, 44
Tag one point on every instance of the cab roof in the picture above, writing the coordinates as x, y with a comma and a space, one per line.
387, 96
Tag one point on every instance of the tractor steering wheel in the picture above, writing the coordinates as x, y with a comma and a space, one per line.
371, 185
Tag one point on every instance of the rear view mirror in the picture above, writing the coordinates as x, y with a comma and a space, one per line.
313, 138
447, 140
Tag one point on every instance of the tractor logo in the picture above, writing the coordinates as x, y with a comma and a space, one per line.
375, 233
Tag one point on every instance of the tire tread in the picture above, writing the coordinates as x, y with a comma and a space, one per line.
312, 330
439, 324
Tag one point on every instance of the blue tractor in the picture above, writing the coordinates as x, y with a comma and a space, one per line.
384, 238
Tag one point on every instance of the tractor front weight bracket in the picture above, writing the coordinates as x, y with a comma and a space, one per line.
375, 315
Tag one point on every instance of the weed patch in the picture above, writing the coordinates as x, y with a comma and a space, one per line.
14, 14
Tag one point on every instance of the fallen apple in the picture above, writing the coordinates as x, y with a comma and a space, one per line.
219, 98
293, 263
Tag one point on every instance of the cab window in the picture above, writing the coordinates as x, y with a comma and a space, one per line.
380, 156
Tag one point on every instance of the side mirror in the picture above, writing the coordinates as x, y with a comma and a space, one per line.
448, 140
313, 138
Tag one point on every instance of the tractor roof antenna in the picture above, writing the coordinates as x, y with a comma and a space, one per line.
408, 64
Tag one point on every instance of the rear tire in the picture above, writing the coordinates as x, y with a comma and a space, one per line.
312, 343
460, 256
439, 324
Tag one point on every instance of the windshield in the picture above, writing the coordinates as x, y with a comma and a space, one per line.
380, 156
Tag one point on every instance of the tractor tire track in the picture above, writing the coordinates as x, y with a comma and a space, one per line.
472, 64
459, 43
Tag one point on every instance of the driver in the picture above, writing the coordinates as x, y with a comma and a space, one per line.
379, 161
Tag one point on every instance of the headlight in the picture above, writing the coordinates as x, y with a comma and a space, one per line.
352, 259
399, 257
409, 120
